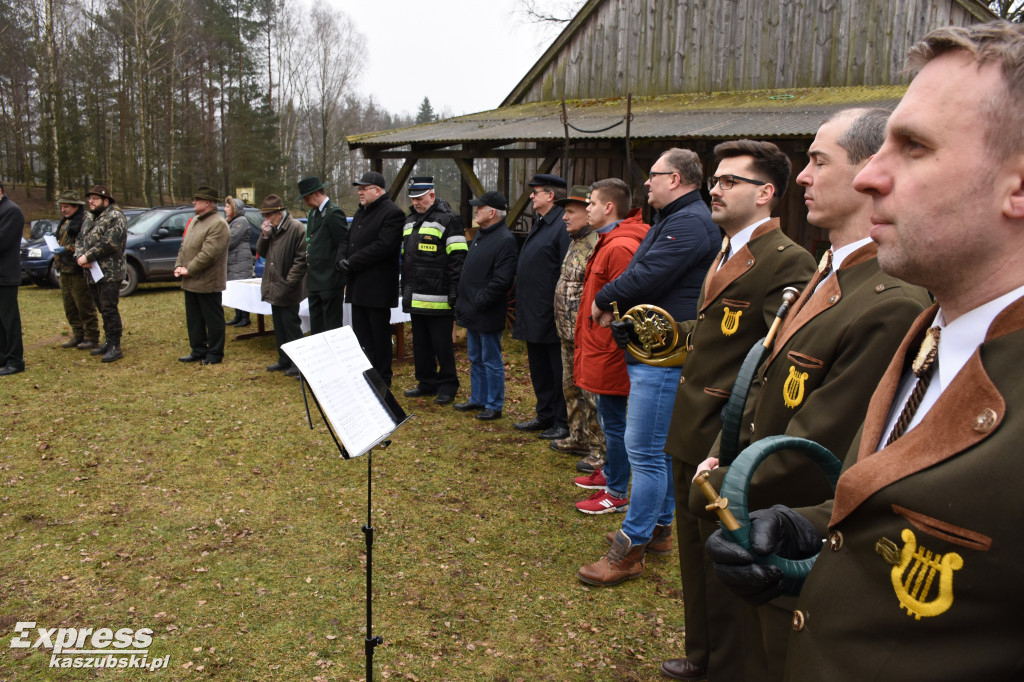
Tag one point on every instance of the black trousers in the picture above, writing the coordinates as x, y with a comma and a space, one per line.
107, 294
287, 327
434, 354
326, 311
12, 351
372, 327
546, 376
204, 318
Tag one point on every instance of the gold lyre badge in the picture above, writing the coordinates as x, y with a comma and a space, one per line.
731, 321
793, 389
913, 575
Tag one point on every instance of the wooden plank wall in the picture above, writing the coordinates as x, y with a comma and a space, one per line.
652, 47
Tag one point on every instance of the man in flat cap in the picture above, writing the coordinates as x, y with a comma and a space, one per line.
540, 261
326, 233
102, 241
12, 226
482, 304
202, 265
433, 250
79, 307
282, 243
370, 259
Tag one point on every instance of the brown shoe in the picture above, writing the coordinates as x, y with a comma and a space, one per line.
624, 561
570, 446
682, 669
72, 342
660, 543
87, 345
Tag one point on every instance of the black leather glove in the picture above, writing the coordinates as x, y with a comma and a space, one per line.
778, 530
622, 331
342, 265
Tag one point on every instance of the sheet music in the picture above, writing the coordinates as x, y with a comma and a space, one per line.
332, 363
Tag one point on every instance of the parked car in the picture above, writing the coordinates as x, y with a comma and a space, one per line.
154, 238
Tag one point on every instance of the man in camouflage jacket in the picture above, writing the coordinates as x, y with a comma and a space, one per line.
102, 242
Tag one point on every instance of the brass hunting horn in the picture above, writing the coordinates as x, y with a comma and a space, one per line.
657, 336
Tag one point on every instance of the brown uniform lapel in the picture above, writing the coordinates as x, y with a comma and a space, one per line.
807, 307
968, 411
740, 262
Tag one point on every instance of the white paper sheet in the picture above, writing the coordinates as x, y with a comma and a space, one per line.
51, 241
96, 271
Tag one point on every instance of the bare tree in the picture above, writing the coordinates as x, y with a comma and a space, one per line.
1012, 10
550, 11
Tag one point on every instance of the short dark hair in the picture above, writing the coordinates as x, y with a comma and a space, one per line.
768, 161
558, 192
687, 164
617, 192
866, 133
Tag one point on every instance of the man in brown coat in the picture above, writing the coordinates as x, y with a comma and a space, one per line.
202, 265
283, 243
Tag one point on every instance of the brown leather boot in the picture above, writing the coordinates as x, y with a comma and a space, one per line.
660, 543
624, 561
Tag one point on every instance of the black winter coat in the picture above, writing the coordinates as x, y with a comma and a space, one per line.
12, 226
540, 262
487, 277
375, 240
325, 235
433, 250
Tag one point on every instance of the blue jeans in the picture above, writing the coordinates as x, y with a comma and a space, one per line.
652, 394
486, 370
611, 410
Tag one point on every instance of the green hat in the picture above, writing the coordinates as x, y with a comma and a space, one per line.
309, 185
207, 193
580, 193
70, 196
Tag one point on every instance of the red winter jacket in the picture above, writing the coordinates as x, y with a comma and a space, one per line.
599, 366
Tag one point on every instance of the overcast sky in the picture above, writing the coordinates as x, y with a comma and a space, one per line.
466, 56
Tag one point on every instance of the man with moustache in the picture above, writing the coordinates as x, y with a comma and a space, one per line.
831, 350
282, 243
739, 301
79, 307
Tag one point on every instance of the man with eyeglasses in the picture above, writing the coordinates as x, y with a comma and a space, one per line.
829, 353
539, 264
667, 270
739, 301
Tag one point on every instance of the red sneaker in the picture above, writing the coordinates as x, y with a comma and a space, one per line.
602, 502
594, 481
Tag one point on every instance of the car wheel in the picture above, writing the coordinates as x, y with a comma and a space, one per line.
130, 282
53, 275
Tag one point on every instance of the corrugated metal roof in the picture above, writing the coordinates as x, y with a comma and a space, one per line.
750, 113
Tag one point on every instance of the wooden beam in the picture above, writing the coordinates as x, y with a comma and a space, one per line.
401, 176
519, 206
469, 175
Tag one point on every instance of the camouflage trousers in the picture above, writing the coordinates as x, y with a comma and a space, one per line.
106, 295
584, 426
79, 307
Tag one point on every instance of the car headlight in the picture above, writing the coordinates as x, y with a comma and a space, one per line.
35, 252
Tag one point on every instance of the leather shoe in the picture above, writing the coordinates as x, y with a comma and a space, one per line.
682, 669
443, 399
100, 350
292, 371
468, 406
554, 433
210, 361
535, 424
113, 354
417, 393
244, 322
11, 369
191, 357
488, 415
86, 345
72, 342
569, 446
277, 367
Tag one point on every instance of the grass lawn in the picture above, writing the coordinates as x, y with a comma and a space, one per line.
197, 502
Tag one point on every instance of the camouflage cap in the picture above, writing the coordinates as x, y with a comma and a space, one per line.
70, 196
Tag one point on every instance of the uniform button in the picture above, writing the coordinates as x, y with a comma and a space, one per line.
985, 420
751, 427
799, 620
682, 380
832, 299
701, 316
879, 288
835, 541
689, 349
780, 248
750, 262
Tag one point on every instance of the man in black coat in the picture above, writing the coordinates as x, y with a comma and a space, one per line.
12, 226
482, 302
540, 262
370, 259
326, 234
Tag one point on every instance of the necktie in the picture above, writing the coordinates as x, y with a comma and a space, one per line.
924, 368
726, 251
825, 266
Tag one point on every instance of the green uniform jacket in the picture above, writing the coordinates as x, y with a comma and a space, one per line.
736, 307
325, 234
284, 276
951, 486
204, 251
103, 240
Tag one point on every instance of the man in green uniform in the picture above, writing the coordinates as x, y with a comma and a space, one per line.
102, 242
326, 232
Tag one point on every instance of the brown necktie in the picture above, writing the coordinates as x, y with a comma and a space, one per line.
924, 368
726, 251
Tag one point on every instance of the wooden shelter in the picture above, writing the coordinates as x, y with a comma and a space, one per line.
628, 79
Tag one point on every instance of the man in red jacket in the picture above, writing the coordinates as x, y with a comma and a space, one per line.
599, 365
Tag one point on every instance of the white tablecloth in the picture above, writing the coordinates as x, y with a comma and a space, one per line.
244, 294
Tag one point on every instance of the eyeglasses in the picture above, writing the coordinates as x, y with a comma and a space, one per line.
653, 173
729, 181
